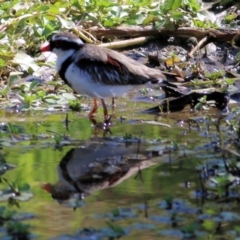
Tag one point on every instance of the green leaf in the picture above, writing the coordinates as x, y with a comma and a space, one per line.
194, 4
116, 10
92, 16
4, 91
137, 19
69, 96
123, 14
50, 100
48, 29
42, 8
198, 106
41, 94
33, 85
170, 26
25, 61
108, 23
229, 81
62, 5
13, 78
53, 10
148, 20
20, 6
177, 16
2, 63
105, 3
172, 5
160, 24
68, 24
230, 17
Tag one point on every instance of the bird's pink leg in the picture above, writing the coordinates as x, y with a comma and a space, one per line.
95, 108
105, 111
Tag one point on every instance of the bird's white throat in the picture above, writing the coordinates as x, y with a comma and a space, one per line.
62, 56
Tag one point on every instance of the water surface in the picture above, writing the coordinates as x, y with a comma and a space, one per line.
37, 163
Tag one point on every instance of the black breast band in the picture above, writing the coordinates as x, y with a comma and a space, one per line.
64, 67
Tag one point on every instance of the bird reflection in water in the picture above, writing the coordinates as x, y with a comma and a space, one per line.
104, 127
97, 166
106, 124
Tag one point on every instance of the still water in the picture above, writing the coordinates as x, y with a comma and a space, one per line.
40, 163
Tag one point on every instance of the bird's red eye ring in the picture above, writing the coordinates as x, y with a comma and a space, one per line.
58, 43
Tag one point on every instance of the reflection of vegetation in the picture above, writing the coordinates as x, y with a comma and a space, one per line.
74, 105
14, 129
207, 187
117, 229
18, 230
169, 201
10, 220
216, 184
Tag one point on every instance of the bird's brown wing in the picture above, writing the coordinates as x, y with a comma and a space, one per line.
112, 68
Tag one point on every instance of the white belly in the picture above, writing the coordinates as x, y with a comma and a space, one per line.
82, 83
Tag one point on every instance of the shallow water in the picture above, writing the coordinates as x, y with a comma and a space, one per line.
37, 163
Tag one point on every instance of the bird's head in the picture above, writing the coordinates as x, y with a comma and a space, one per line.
62, 43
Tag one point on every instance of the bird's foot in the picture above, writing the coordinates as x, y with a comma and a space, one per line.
101, 126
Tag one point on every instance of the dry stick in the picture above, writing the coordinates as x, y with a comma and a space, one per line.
137, 31
198, 46
114, 45
126, 43
80, 34
90, 35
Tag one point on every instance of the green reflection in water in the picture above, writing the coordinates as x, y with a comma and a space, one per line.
38, 164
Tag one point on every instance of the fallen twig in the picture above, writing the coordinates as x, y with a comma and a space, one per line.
82, 34
138, 31
126, 43
198, 46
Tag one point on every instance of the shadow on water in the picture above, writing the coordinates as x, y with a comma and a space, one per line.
173, 176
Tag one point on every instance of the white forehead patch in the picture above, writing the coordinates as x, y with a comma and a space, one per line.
79, 41
68, 39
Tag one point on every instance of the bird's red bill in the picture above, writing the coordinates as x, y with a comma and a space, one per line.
45, 48
48, 187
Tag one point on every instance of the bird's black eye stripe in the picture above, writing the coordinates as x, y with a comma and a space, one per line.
65, 44
58, 43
